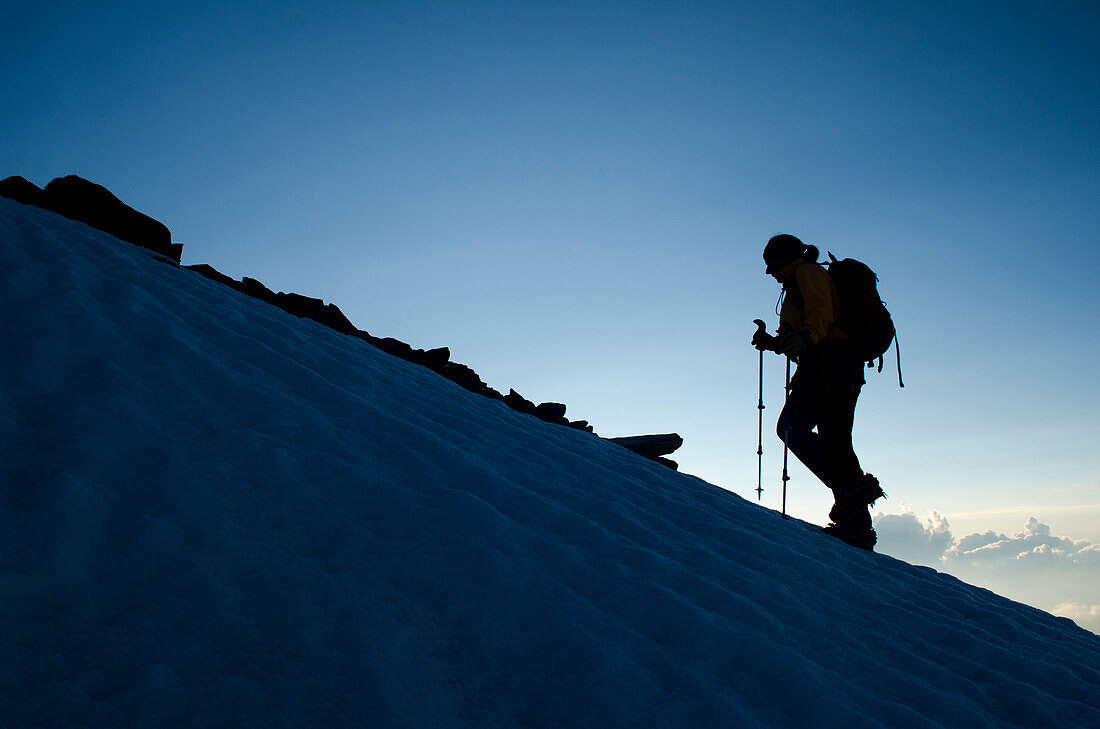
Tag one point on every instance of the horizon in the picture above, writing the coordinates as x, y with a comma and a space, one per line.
574, 199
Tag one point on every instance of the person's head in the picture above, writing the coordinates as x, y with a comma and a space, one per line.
783, 250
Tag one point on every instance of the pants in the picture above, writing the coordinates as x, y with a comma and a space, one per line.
823, 394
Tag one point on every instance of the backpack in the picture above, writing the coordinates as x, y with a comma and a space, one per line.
863, 316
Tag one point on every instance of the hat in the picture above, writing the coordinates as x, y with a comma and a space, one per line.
781, 250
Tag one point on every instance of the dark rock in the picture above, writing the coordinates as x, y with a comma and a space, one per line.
396, 347
21, 190
650, 446
519, 403
95, 205
666, 462
213, 274
256, 290
336, 319
551, 412
580, 425
306, 307
301, 306
436, 359
464, 377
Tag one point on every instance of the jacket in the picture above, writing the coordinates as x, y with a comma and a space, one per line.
811, 305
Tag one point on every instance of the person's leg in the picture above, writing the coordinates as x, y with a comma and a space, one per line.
854, 491
834, 426
796, 426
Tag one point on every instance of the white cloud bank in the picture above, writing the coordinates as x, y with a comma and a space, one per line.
1082, 614
1057, 574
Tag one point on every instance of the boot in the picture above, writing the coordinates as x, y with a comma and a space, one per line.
865, 492
856, 530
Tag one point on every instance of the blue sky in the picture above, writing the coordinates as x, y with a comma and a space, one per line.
573, 197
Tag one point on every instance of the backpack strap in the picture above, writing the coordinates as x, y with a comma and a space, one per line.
897, 351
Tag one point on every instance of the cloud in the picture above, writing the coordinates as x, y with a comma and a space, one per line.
1057, 574
1087, 616
1034, 543
930, 542
912, 539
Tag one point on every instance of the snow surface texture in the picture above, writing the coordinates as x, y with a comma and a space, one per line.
215, 514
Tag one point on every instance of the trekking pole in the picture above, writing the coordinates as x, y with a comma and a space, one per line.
762, 329
786, 435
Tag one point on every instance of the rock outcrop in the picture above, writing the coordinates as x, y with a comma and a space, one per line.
94, 205
22, 190
653, 447
437, 360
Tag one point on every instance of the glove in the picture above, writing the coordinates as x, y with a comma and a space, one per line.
793, 344
763, 341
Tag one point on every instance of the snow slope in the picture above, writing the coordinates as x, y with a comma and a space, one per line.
215, 514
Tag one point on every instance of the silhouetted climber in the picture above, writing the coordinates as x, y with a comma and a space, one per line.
824, 388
